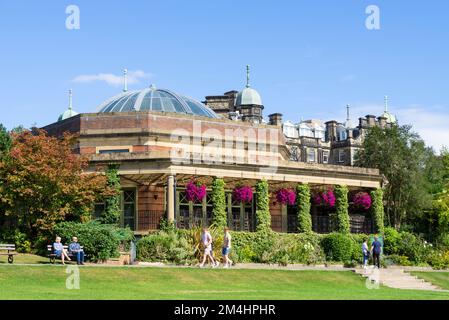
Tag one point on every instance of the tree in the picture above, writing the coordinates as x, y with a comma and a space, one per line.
5, 141
219, 203
401, 157
303, 202
341, 209
43, 182
263, 206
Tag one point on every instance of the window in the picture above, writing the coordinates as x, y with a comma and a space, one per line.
129, 208
311, 155
325, 156
341, 156
99, 210
113, 151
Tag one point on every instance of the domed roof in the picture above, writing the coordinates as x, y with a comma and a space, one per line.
390, 117
67, 114
248, 96
152, 99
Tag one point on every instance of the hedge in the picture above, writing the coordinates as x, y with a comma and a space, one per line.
377, 209
341, 209
100, 241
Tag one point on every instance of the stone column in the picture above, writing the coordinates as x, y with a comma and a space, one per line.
171, 198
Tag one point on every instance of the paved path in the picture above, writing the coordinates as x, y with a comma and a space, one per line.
397, 278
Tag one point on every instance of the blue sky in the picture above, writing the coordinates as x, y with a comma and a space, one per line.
308, 58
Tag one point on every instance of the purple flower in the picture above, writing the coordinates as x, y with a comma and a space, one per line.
362, 200
326, 198
285, 196
243, 194
195, 192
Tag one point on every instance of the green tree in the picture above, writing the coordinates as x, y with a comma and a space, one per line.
219, 214
303, 202
341, 209
112, 201
263, 206
5, 141
401, 156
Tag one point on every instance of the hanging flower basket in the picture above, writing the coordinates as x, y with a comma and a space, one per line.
362, 200
243, 194
286, 197
195, 191
325, 198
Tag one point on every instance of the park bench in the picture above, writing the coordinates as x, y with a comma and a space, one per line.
8, 250
51, 254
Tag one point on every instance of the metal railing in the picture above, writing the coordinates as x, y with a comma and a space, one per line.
149, 219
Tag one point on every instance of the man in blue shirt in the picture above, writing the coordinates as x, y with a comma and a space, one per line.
76, 250
376, 249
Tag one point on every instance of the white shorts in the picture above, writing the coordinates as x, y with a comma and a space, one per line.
208, 250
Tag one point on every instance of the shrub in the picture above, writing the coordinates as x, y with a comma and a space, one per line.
346, 248
439, 260
396, 259
100, 241
164, 247
20, 239
377, 209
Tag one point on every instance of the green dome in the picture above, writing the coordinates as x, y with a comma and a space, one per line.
69, 112
248, 96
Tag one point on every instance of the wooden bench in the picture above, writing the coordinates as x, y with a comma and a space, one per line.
8, 250
52, 255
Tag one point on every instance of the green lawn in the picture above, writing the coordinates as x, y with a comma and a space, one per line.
440, 279
48, 282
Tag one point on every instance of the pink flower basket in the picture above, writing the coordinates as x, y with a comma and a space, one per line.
195, 192
286, 197
243, 194
362, 200
326, 198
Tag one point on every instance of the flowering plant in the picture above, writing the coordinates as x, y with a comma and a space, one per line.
362, 200
243, 194
286, 196
195, 191
326, 198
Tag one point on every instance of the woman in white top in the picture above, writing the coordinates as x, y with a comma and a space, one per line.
366, 253
226, 248
206, 240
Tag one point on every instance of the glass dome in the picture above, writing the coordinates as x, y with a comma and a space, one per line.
152, 99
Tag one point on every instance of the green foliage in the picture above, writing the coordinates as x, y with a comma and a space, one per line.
263, 206
164, 247
342, 247
402, 157
166, 226
303, 202
439, 260
219, 214
377, 209
406, 244
112, 210
341, 209
100, 241
20, 239
5, 141
281, 248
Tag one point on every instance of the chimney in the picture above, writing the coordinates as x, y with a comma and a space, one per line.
331, 131
349, 133
382, 122
371, 120
275, 119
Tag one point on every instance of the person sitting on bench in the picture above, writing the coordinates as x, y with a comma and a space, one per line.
59, 250
75, 249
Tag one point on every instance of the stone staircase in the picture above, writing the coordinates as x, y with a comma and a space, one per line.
396, 278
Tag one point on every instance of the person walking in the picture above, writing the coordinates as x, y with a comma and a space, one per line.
376, 249
226, 248
366, 253
206, 240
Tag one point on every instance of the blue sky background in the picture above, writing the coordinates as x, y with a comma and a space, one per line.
308, 58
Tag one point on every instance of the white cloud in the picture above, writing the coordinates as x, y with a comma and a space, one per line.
112, 79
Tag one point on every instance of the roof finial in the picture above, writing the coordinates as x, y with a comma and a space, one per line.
386, 103
70, 99
247, 76
347, 113
125, 80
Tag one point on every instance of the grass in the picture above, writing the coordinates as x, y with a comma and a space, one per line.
98, 282
440, 279
25, 259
